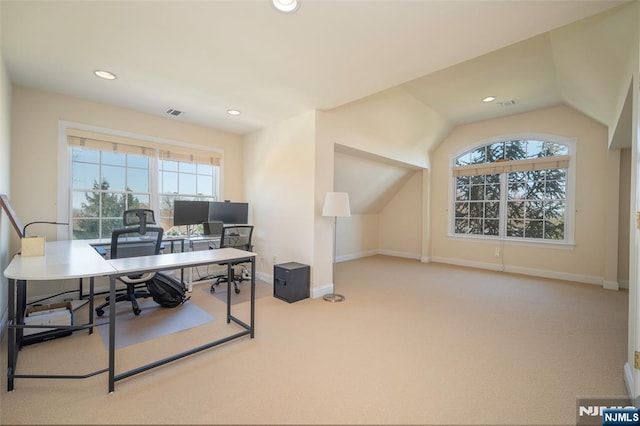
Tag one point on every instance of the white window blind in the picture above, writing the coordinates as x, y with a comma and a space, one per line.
531, 164
120, 144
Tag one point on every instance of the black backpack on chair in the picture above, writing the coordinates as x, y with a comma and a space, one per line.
167, 291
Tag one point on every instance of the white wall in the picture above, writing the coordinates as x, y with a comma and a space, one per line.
596, 173
6, 232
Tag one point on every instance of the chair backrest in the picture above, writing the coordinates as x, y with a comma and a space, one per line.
237, 236
130, 242
213, 228
140, 218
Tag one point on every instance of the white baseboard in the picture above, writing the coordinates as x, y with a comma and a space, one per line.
353, 256
567, 276
628, 381
415, 256
321, 291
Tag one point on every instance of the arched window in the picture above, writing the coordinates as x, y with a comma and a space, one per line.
513, 189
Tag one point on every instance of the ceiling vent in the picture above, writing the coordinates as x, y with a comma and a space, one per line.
507, 103
174, 112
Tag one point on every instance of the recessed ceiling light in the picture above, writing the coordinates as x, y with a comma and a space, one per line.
233, 112
286, 6
489, 99
107, 75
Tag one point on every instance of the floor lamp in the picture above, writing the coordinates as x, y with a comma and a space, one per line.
336, 204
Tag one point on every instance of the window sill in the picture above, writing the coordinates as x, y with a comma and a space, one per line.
561, 245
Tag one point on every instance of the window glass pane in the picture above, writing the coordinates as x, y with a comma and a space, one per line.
535, 149
114, 158
188, 168
462, 193
187, 184
492, 210
533, 228
477, 192
139, 161
515, 228
205, 185
516, 191
515, 210
515, 150
168, 165
475, 210
85, 155
462, 209
475, 226
492, 192
205, 169
492, 227
495, 152
463, 160
534, 210
478, 155
169, 183
85, 176
112, 205
85, 204
461, 226
115, 177
137, 180
136, 201
85, 228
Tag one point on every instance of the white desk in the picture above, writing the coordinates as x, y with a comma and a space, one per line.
62, 260
77, 259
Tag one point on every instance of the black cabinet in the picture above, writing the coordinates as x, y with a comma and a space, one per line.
291, 281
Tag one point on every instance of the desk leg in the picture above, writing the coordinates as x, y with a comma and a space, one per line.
253, 296
11, 346
229, 270
91, 312
112, 333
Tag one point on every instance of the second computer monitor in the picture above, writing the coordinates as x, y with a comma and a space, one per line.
228, 212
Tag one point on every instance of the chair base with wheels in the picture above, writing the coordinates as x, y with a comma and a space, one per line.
130, 295
223, 279
239, 237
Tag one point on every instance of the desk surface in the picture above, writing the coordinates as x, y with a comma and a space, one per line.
177, 260
62, 260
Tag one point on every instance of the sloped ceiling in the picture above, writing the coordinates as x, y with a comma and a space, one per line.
203, 57
582, 65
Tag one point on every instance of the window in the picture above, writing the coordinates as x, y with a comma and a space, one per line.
107, 178
513, 189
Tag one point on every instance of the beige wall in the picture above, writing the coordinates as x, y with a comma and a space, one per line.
6, 232
595, 175
624, 217
400, 222
279, 184
35, 119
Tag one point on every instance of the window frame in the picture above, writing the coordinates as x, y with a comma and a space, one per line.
568, 242
64, 160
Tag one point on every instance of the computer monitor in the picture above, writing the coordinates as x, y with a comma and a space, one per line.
190, 212
228, 212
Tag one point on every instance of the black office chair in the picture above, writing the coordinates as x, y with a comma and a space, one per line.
136, 239
236, 236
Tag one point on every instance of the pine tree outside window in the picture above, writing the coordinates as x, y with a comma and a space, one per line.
515, 189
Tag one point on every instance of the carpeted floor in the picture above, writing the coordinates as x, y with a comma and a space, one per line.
412, 344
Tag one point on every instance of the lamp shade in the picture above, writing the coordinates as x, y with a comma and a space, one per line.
336, 204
